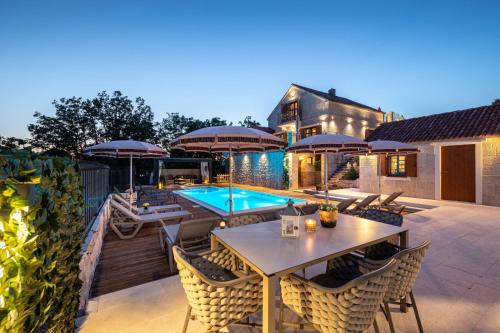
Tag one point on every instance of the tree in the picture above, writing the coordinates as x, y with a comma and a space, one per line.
71, 128
248, 122
175, 125
79, 122
496, 102
13, 142
121, 120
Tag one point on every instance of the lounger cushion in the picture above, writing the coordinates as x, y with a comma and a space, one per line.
209, 269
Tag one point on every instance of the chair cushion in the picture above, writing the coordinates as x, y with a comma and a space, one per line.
383, 217
338, 277
381, 251
210, 269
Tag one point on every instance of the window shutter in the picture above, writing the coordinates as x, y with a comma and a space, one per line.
383, 165
411, 165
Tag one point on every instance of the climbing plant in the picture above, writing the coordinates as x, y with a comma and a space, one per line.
40, 241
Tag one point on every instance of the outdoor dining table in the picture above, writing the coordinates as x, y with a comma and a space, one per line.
262, 248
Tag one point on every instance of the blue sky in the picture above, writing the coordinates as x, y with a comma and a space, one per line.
231, 59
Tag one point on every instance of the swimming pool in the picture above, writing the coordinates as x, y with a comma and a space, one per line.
217, 199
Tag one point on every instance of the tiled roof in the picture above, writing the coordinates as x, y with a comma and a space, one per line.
335, 98
475, 122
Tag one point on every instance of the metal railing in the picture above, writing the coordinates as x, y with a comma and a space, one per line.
95, 183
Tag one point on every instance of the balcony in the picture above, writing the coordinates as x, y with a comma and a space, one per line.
288, 117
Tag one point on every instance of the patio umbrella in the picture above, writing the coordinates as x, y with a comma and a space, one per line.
328, 143
126, 149
230, 139
386, 148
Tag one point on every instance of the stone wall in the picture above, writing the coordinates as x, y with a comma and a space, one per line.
91, 251
491, 171
260, 169
333, 117
422, 186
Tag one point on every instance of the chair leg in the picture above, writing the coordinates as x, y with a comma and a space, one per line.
186, 321
388, 315
170, 259
280, 322
375, 326
417, 316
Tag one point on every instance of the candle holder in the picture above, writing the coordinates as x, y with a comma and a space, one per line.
310, 225
222, 224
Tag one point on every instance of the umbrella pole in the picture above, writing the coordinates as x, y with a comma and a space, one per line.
379, 177
230, 183
326, 177
131, 188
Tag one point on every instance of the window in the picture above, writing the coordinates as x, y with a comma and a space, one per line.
397, 166
289, 111
310, 131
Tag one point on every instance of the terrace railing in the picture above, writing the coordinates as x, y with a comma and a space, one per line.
95, 183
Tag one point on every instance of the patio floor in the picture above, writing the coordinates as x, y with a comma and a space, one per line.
458, 289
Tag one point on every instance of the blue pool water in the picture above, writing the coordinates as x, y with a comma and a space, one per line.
218, 197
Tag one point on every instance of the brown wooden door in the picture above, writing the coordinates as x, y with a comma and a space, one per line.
458, 173
300, 174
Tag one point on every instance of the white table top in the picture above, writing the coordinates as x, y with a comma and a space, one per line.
262, 245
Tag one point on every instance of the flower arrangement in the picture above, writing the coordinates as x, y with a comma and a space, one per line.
327, 208
328, 215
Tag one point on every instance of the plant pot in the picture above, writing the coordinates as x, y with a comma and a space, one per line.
328, 219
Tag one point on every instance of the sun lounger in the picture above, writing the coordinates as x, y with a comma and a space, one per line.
151, 209
362, 205
389, 203
344, 204
122, 218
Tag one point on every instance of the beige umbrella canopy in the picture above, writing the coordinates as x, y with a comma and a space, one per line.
219, 139
126, 149
328, 143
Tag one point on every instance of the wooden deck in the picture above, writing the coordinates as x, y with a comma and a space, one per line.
128, 263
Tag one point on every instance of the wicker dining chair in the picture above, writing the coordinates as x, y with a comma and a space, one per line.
345, 305
218, 293
239, 220
408, 264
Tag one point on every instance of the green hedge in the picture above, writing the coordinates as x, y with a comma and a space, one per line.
40, 241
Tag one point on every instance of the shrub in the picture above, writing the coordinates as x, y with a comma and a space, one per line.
351, 174
40, 241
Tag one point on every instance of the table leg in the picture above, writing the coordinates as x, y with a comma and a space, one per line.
404, 243
269, 304
214, 244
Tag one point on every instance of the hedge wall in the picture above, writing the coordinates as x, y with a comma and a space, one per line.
40, 241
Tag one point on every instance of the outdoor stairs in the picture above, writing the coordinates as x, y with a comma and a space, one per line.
335, 181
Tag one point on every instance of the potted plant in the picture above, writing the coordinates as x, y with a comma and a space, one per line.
328, 215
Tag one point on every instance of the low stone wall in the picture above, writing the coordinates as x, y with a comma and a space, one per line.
260, 169
91, 251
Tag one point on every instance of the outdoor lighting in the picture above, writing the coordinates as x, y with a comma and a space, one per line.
364, 122
349, 120
290, 221
310, 225
222, 224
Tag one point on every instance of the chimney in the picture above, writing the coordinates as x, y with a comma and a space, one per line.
331, 91
389, 117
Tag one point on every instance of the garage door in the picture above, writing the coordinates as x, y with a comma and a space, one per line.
458, 173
